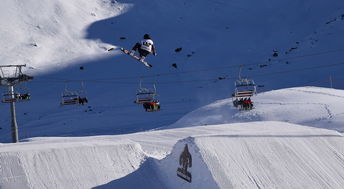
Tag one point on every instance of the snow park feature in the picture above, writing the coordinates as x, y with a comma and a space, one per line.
241, 155
289, 52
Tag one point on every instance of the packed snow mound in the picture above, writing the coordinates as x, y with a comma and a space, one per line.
277, 159
240, 155
248, 155
313, 106
157, 174
67, 164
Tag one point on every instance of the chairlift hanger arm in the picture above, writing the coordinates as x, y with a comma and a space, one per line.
22, 65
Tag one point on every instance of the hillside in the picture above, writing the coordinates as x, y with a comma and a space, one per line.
293, 138
64, 45
312, 106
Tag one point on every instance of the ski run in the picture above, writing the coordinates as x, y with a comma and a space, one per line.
240, 94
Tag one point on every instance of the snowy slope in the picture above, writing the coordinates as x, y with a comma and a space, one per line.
66, 164
56, 38
312, 106
245, 155
64, 43
265, 155
50, 35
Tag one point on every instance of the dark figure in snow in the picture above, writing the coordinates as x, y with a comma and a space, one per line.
144, 47
185, 159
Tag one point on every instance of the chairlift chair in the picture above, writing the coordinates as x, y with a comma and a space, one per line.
69, 98
144, 95
73, 97
7, 98
147, 97
18, 97
23, 95
244, 90
245, 86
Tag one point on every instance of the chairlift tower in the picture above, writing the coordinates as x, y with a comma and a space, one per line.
14, 76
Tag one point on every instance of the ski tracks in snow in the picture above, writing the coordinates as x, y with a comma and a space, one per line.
316, 92
326, 107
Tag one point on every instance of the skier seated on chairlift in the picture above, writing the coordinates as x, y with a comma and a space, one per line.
25, 96
79, 100
144, 47
82, 101
241, 102
154, 105
250, 103
247, 104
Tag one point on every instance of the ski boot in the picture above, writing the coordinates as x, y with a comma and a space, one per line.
142, 58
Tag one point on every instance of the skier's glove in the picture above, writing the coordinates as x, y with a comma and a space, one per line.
155, 54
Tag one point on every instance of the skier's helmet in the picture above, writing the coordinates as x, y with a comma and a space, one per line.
146, 36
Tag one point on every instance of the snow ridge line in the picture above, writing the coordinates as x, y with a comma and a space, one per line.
326, 107
272, 136
314, 92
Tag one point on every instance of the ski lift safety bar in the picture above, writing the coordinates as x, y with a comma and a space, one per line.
22, 65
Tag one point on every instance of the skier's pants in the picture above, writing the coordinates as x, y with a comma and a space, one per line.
141, 51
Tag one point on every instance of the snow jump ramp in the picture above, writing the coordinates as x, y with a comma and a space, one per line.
244, 155
258, 155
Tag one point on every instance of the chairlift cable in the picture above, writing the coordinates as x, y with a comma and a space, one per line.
215, 79
192, 71
257, 75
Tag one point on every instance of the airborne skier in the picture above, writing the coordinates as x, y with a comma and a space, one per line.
144, 47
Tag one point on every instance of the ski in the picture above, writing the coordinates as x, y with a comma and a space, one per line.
110, 49
135, 57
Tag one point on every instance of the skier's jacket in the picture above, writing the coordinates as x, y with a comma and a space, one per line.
148, 45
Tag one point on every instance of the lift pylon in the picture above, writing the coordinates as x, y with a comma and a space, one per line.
10, 76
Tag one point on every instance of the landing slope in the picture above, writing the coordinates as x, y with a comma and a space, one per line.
313, 106
264, 155
241, 155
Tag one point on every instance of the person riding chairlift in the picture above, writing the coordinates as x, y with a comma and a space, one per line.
153, 105
25, 96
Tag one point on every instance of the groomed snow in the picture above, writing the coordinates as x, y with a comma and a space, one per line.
241, 155
50, 35
312, 106
292, 139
